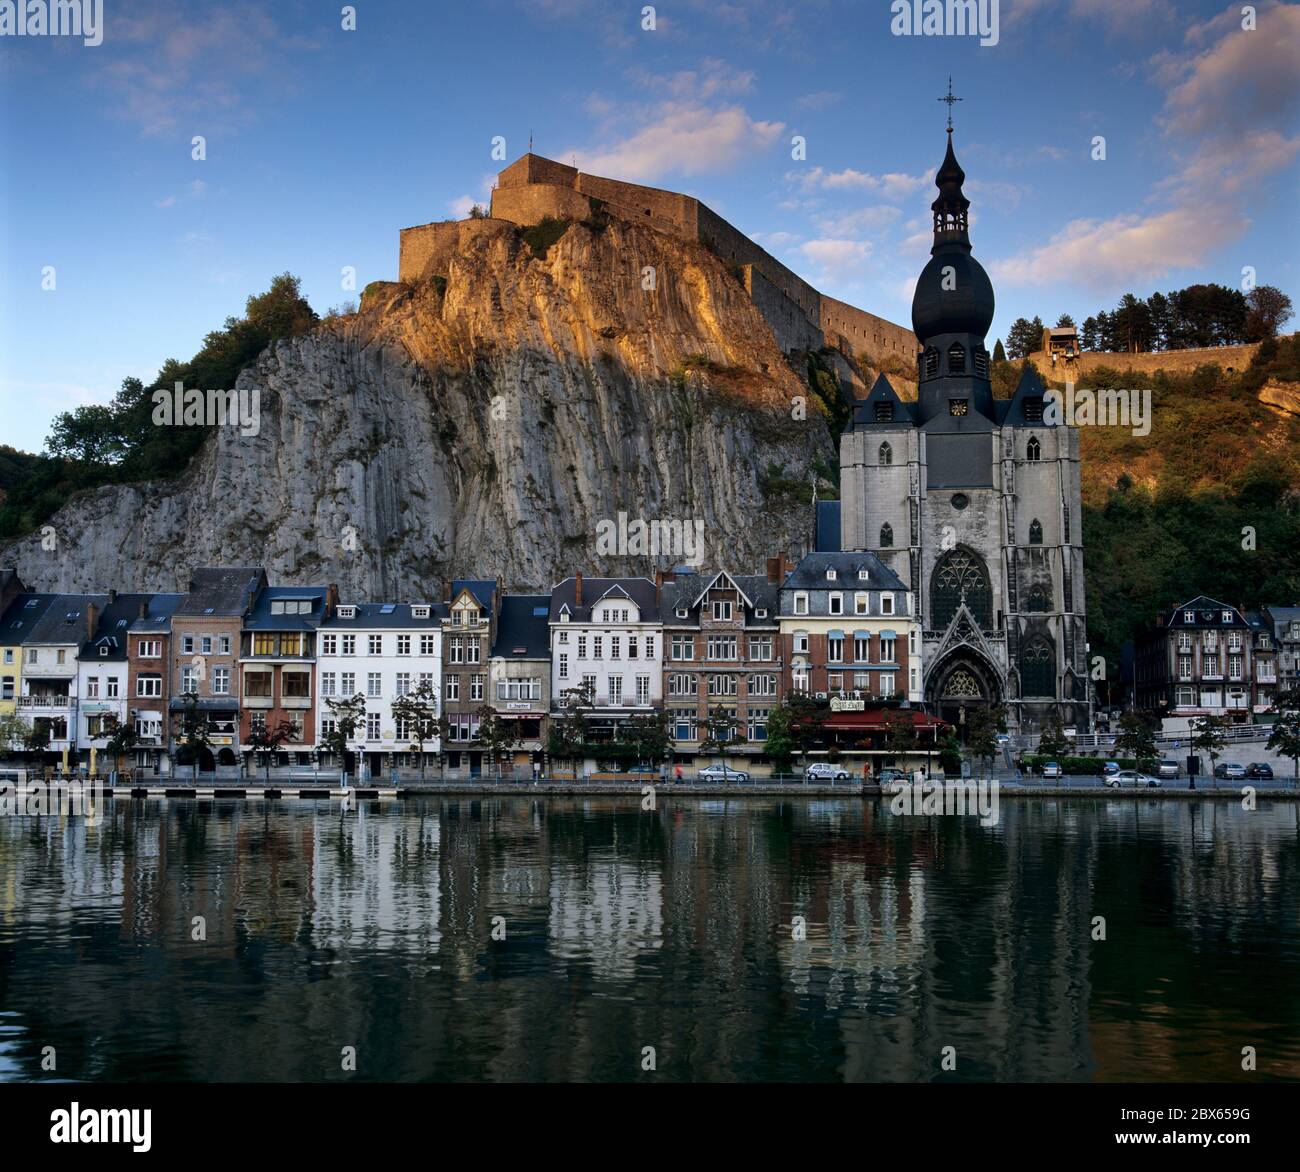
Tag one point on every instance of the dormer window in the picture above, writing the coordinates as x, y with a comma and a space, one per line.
864, 576
761, 612
1227, 616
420, 612
1189, 616
683, 613
830, 574
801, 603
347, 612
956, 358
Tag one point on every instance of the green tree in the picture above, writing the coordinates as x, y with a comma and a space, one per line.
999, 354
417, 714
122, 738
1052, 741
14, 731
1065, 322
900, 734
193, 736
1025, 338
568, 735
496, 734
721, 732
347, 713
647, 737
1137, 735
1209, 736
268, 739
950, 754
1284, 739
982, 738
1267, 308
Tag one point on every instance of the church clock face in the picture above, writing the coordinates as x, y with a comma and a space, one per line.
958, 406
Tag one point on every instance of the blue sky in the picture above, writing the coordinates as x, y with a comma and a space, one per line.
322, 143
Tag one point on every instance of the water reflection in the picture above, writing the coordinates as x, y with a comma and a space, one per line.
529, 939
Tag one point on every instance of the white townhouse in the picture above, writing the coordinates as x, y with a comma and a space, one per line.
50, 693
606, 632
103, 673
380, 650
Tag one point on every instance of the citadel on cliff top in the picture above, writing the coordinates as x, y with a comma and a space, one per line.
533, 188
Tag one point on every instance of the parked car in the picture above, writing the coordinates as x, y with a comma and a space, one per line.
1052, 770
1229, 771
1003, 740
1110, 768
1259, 771
825, 771
721, 773
1168, 768
1132, 779
890, 776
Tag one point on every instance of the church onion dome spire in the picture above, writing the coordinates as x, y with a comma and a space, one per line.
952, 205
954, 296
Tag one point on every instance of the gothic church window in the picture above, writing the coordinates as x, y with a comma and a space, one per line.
886, 454
960, 577
1035, 532
1038, 667
886, 535
1033, 449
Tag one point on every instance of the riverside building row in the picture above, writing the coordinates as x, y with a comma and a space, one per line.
704, 647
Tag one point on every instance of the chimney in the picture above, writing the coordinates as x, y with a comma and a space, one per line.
112, 596
144, 609
92, 613
446, 590
577, 589
331, 600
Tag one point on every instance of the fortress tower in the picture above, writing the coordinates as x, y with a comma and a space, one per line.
533, 188
973, 502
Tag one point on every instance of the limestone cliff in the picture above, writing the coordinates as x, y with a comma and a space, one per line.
482, 424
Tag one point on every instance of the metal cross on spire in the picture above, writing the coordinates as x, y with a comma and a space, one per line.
950, 99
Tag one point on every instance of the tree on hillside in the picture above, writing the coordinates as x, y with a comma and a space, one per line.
999, 354
1088, 337
1267, 307
1025, 337
1065, 322
1160, 312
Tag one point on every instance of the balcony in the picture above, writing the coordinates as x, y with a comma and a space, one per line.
50, 700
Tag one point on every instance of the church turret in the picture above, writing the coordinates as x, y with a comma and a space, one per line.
952, 310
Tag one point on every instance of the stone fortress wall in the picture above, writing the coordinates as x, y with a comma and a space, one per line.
534, 187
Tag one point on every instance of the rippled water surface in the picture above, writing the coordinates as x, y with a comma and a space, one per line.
670, 929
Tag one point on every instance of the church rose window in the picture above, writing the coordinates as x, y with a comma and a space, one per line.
960, 577
961, 685
1037, 668
886, 454
886, 535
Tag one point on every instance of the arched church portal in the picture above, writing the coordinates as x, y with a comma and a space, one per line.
960, 685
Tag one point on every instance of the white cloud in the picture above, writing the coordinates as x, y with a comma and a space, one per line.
867, 219
685, 140
836, 257
892, 185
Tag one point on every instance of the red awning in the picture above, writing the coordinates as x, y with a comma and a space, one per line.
879, 719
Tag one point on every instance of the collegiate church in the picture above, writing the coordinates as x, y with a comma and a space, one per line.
974, 502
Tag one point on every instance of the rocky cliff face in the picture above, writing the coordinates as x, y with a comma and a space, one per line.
482, 425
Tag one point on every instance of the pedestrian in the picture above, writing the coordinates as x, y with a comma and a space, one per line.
678, 774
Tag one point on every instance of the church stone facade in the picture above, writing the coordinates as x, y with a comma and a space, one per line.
974, 503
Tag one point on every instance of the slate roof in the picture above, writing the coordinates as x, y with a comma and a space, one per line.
374, 616
112, 627
158, 616
481, 589
810, 573
64, 620
1011, 412
1208, 613
640, 590
882, 391
224, 591
260, 617
20, 619
687, 589
523, 632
